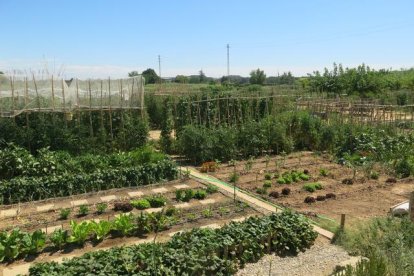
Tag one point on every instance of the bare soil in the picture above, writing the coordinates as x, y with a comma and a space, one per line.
364, 199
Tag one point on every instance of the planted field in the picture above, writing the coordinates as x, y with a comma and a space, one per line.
315, 184
117, 217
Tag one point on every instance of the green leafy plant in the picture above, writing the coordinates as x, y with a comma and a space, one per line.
268, 176
323, 172
179, 194
261, 191
188, 195
10, 244
141, 204
200, 194
234, 177
59, 238
207, 213
267, 184
83, 210
79, 232
211, 189
281, 180
157, 201
101, 229
64, 213
124, 224
312, 187
101, 208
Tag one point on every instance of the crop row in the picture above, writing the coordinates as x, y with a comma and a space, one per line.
198, 252
23, 189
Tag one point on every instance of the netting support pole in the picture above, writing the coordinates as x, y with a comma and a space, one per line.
90, 109
110, 111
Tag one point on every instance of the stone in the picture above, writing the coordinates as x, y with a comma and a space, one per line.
45, 208
108, 198
135, 194
79, 202
159, 190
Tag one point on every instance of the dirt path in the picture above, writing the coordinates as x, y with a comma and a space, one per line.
240, 194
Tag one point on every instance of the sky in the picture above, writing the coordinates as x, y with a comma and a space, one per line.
91, 38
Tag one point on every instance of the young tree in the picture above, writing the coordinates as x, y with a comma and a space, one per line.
257, 77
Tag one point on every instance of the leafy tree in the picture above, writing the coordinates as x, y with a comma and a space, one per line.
257, 77
181, 79
202, 76
150, 76
133, 74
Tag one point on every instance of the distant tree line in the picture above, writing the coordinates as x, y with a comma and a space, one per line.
362, 80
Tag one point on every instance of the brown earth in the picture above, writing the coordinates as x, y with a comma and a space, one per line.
364, 199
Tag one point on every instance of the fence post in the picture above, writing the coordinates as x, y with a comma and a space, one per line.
411, 207
342, 221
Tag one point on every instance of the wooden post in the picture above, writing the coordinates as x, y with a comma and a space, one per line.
64, 103
411, 206
342, 221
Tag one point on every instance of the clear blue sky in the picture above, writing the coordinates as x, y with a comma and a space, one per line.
111, 37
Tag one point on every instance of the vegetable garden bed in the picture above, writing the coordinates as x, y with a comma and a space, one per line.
366, 197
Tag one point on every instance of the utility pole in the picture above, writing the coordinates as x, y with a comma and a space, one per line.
159, 66
228, 61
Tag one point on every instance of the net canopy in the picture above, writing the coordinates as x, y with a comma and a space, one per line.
28, 94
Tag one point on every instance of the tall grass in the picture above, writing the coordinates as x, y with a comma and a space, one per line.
387, 242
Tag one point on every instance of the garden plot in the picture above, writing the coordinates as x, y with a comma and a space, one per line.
192, 204
322, 185
46, 214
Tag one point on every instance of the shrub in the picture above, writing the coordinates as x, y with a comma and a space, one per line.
123, 207
83, 210
101, 207
285, 191
261, 191
64, 213
267, 184
141, 204
310, 199
311, 187
330, 195
281, 180
348, 181
274, 194
179, 194
404, 167
320, 198
200, 194
268, 176
157, 201
188, 195
171, 211
374, 175
211, 189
